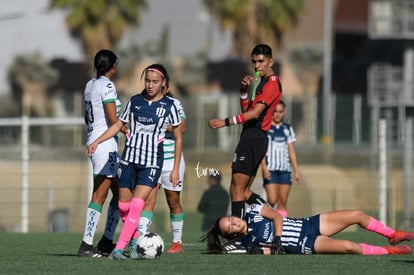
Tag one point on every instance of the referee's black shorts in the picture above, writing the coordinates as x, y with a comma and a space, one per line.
250, 151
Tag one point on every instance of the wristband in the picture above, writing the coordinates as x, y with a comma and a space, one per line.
244, 100
239, 119
244, 103
227, 121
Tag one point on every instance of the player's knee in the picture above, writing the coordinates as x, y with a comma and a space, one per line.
282, 202
350, 247
271, 202
174, 206
358, 215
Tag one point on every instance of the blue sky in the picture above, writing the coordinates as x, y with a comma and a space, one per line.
27, 26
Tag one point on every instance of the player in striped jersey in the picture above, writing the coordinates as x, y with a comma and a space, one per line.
148, 115
172, 193
280, 157
265, 231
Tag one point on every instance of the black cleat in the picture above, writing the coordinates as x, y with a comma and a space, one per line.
234, 246
87, 250
105, 246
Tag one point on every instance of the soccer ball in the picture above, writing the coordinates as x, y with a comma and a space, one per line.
150, 246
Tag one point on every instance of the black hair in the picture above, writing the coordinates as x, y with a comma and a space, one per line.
212, 237
104, 61
169, 93
262, 49
213, 240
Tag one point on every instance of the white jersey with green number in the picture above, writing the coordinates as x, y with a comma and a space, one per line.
98, 92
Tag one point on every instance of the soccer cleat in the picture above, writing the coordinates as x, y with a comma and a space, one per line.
105, 246
176, 248
398, 249
234, 247
117, 254
133, 254
400, 236
87, 250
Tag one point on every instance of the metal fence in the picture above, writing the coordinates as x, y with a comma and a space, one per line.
46, 176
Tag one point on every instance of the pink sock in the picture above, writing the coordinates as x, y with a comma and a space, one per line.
123, 212
123, 209
372, 249
283, 213
131, 223
380, 228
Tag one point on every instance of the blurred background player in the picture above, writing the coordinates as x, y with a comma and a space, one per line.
214, 202
279, 160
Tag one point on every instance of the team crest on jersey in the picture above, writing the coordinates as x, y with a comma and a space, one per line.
160, 111
286, 132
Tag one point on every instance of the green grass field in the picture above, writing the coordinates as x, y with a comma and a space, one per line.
55, 253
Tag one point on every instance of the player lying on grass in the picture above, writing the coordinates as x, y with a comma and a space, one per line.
264, 231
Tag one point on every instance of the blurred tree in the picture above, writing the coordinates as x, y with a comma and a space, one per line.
164, 43
99, 24
134, 58
29, 76
255, 21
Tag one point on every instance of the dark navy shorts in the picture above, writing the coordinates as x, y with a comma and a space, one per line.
278, 177
250, 151
304, 242
133, 174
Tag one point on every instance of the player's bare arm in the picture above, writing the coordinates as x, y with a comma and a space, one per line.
239, 119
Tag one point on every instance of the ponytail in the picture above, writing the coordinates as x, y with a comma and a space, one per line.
212, 237
104, 61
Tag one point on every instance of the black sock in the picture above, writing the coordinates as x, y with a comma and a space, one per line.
255, 199
105, 240
237, 208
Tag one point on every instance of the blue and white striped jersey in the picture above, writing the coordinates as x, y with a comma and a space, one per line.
148, 123
277, 157
261, 230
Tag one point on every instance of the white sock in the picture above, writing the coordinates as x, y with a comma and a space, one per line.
145, 222
93, 213
177, 222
